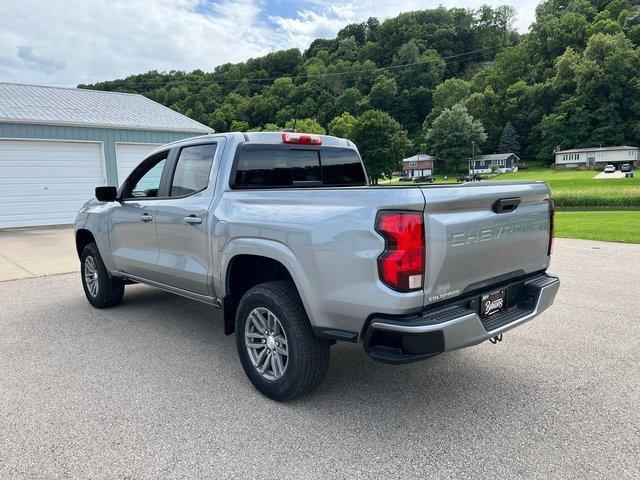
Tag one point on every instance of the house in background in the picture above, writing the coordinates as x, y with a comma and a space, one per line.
590, 157
503, 162
58, 144
418, 165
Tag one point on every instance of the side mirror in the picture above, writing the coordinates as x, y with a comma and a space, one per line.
107, 194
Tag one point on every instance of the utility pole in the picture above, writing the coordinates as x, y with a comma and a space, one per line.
473, 162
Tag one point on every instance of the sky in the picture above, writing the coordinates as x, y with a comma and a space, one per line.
67, 42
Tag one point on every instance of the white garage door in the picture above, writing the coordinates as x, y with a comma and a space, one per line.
129, 156
46, 182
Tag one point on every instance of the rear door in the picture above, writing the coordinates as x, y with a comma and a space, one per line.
134, 243
182, 220
482, 233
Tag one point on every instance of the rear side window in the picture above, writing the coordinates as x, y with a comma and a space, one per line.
273, 166
192, 170
341, 166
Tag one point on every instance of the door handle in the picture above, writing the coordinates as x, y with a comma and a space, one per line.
146, 217
192, 220
505, 205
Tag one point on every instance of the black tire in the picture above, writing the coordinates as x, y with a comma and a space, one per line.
110, 289
308, 356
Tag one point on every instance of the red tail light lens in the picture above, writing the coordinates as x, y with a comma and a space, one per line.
300, 139
401, 265
552, 227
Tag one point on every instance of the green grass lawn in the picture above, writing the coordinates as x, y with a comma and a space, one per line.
609, 226
602, 202
439, 179
571, 188
578, 188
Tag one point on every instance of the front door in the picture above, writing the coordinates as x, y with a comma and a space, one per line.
591, 160
182, 220
134, 243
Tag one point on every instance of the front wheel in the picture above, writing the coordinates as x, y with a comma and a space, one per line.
101, 290
275, 342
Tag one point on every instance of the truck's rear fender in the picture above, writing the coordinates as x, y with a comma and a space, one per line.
271, 249
327, 241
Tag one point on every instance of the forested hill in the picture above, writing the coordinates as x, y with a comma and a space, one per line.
435, 80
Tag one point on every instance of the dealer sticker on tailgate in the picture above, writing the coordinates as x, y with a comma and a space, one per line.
491, 303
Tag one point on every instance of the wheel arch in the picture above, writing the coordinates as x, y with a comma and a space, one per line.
83, 238
249, 262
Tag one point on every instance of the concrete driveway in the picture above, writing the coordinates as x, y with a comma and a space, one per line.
37, 251
153, 389
616, 174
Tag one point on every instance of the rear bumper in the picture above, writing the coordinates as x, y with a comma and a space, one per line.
459, 325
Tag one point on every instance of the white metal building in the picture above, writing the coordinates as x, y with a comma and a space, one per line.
58, 144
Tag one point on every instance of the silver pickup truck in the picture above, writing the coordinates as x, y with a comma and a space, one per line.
281, 232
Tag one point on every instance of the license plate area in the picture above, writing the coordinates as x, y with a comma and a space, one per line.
492, 303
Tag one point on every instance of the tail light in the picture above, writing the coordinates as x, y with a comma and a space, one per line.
401, 265
552, 221
300, 139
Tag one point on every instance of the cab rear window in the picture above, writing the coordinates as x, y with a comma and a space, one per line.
283, 166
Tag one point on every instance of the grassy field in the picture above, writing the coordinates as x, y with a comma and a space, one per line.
571, 188
578, 188
609, 226
599, 203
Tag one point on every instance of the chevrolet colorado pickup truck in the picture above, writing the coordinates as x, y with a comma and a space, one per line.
282, 232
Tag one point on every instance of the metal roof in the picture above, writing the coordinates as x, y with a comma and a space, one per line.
420, 157
596, 149
495, 156
21, 103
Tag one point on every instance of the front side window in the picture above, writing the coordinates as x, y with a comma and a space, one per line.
192, 170
145, 183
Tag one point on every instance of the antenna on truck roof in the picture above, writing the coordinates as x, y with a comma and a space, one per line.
295, 120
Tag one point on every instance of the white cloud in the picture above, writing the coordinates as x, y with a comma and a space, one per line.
69, 42
326, 19
66, 42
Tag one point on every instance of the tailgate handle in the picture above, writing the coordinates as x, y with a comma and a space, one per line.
506, 205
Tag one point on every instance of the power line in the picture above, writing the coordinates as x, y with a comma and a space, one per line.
308, 75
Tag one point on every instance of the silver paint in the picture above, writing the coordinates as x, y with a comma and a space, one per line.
325, 238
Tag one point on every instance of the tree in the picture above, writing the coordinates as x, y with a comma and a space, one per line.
383, 94
342, 126
446, 95
509, 142
306, 125
382, 143
452, 134
573, 79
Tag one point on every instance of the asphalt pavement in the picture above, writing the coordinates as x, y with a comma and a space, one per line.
153, 389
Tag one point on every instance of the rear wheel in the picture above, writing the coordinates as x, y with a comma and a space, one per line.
101, 290
275, 342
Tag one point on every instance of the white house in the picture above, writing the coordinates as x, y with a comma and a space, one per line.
590, 157
504, 162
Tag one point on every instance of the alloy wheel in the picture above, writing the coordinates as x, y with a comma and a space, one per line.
266, 343
91, 276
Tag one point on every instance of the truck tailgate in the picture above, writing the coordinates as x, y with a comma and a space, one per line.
475, 237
